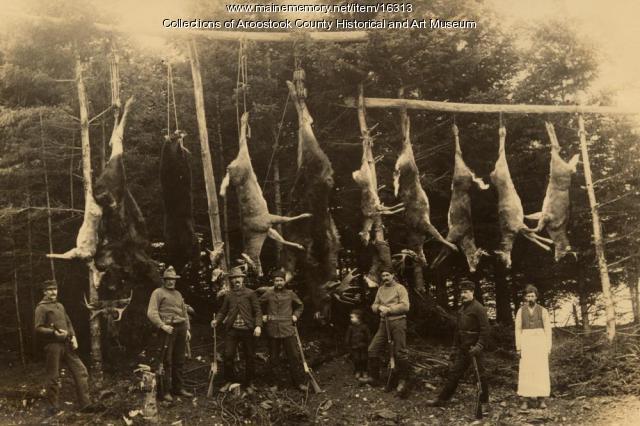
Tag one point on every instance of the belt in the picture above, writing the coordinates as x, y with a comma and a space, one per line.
279, 318
395, 317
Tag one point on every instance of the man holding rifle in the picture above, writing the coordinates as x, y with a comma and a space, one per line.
283, 308
392, 304
470, 340
168, 312
54, 328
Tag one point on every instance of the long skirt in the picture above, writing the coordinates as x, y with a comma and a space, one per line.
533, 377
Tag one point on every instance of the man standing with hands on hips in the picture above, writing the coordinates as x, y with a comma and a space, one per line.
168, 312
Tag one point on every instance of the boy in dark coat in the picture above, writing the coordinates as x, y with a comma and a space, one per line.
357, 341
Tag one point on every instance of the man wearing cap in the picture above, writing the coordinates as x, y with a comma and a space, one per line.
533, 343
54, 329
241, 317
470, 340
168, 312
283, 308
392, 304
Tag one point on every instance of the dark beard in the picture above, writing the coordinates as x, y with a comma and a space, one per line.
532, 304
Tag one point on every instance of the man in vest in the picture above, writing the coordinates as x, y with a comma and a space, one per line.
241, 317
168, 312
392, 304
470, 340
53, 327
283, 308
533, 343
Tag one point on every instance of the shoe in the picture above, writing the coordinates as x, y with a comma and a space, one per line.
543, 405
402, 391
183, 392
524, 406
358, 375
435, 403
167, 397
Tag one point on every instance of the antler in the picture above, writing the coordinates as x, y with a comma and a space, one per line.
126, 302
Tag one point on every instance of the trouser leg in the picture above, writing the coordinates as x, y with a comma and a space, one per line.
375, 352
178, 356
230, 347
295, 364
80, 376
249, 348
398, 329
53, 353
355, 359
362, 355
460, 365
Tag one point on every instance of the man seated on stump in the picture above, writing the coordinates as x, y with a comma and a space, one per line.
242, 319
392, 304
168, 312
283, 308
470, 340
54, 329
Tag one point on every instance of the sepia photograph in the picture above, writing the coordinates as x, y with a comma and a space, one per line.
319, 212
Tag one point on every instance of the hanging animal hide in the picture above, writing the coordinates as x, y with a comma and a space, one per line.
459, 217
310, 193
175, 180
406, 184
554, 216
510, 213
257, 222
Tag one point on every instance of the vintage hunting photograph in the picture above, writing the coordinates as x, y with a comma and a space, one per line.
319, 212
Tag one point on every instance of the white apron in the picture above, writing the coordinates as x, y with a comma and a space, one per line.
533, 377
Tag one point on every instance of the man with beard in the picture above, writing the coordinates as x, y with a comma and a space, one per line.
392, 304
470, 340
283, 308
54, 329
168, 312
241, 317
533, 343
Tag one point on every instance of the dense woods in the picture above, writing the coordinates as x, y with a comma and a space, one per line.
41, 185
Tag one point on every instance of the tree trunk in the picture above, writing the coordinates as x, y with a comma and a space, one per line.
32, 284
46, 188
503, 305
220, 150
71, 158
597, 235
633, 293
16, 298
94, 325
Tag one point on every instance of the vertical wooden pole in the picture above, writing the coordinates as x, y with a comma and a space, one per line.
32, 285
94, 325
209, 178
73, 147
46, 187
220, 150
597, 235
16, 298
277, 195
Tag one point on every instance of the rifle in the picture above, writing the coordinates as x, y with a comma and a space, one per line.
478, 407
214, 364
392, 356
160, 372
307, 370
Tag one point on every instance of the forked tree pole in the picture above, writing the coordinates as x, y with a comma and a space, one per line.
597, 235
94, 325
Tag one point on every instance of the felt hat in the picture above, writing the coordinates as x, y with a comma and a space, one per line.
170, 274
278, 273
236, 272
467, 285
49, 284
530, 289
385, 268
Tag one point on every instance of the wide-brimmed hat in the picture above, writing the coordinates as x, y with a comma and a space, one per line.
49, 284
170, 274
236, 272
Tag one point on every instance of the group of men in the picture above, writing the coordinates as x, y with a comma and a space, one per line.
243, 314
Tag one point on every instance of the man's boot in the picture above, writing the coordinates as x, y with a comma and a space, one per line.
403, 383
373, 378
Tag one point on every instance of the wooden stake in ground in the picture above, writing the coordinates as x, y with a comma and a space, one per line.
46, 188
597, 235
209, 178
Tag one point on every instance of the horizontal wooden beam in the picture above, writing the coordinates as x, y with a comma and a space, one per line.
278, 36
485, 108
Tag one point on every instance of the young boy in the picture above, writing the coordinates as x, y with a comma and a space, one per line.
357, 341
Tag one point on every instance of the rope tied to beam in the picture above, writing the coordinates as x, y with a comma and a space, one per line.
171, 98
242, 83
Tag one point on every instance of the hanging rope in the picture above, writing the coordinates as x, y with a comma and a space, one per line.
171, 97
276, 142
242, 83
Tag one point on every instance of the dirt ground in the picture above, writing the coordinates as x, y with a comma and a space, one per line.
343, 400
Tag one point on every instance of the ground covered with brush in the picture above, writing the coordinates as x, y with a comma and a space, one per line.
593, 383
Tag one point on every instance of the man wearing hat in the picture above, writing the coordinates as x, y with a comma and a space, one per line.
241, 317
54, 329
168, 312
392, 304
283, 308
533, 343
470, 340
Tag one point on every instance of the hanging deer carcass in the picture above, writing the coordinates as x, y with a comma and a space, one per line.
257, 222
310, 193
510, 213
459, 217
554, 216
406, 185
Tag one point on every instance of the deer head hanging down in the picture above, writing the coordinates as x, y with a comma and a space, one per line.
510, 213
111, 310
257, 222
459, 217
406, 184
554, 216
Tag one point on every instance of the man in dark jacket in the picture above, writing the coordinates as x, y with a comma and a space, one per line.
470, 340
241, 317
282, 309
54, 329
